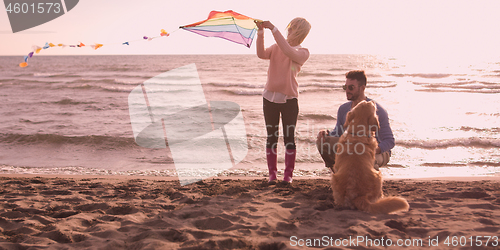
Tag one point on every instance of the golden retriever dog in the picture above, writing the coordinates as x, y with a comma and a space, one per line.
355, 183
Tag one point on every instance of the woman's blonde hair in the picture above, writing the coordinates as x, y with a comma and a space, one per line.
299, 29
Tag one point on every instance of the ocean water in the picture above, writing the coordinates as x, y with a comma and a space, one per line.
70, 115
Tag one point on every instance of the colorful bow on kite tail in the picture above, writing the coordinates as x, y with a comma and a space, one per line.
228, 25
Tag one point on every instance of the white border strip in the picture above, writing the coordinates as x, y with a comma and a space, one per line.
64, 6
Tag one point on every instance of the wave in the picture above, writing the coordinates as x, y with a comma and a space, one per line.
316, 117
484, 130
108, 80
55, 75
69, 101
473, 163
84, 80
330, 83
343, 70
73, 170
307, 87
441, 164
488, 83
87, 80
115, 89
485, 163
32, 122
37, 82
448, 143
51, 139
83, 86
320, 74
118, 68
25, 74
70, 170
466, 86
128, 82
104, 88
243, 92
244, 85
480, 91
461, 85
423, 75
7, 80
381, 85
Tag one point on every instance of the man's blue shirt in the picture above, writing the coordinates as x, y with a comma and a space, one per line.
385, 138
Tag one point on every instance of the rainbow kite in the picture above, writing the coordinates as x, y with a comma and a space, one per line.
228, 25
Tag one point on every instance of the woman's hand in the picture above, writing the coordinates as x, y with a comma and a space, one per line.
267, 24
264, 24
259, 24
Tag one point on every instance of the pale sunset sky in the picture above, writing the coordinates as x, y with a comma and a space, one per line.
448, 30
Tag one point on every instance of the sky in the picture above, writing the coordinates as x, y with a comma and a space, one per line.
423, 28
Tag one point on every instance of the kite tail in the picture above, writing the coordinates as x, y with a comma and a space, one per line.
37, 49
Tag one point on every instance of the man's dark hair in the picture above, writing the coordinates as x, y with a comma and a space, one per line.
357, 75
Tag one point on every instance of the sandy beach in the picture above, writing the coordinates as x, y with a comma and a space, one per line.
113, 212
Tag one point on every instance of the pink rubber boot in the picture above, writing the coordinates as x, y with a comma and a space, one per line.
289, 164
272, 161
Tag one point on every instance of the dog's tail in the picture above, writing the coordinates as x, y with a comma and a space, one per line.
385, 205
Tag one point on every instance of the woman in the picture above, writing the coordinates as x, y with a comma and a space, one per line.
281, 91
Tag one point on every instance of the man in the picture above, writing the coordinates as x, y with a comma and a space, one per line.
355, 92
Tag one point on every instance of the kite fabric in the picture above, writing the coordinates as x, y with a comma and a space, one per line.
227, 25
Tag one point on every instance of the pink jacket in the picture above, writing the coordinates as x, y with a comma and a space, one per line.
285, 63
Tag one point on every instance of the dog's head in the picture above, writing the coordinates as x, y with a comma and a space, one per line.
362, 119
